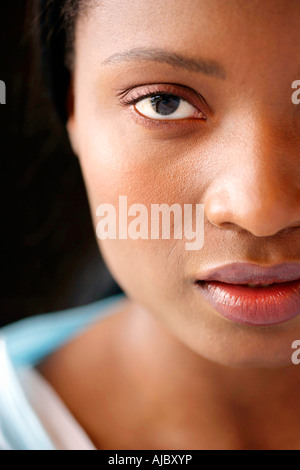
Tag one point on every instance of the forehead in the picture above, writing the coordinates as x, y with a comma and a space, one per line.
175, 22
232, 32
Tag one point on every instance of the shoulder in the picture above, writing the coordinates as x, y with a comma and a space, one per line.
64, 345
30, 340
89, 346
84, 372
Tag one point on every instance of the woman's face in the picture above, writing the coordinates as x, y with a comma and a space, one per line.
231, 141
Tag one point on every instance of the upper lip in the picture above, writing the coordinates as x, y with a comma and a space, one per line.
245, 273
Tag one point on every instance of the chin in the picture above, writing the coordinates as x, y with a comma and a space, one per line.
251, 357
244, 347
256, 362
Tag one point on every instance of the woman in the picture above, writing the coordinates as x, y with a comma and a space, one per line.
182, 103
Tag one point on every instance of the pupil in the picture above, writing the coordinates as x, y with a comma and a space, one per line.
165, 104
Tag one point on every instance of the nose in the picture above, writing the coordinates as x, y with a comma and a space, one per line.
259, 188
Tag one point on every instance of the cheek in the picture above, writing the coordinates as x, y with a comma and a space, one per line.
114, 167
147, 172
152, 272
155, 272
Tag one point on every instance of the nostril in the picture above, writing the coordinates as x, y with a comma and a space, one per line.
291, 228
295, 225
229, 226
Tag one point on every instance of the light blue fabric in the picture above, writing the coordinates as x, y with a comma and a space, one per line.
25, 343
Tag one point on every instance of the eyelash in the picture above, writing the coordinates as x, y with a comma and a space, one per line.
148, 92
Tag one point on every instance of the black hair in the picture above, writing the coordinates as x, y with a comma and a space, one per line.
57, 21
49, 252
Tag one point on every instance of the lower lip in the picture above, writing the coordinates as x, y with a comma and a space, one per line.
257, 306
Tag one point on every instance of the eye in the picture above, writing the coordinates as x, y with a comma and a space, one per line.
165, 102
165, 106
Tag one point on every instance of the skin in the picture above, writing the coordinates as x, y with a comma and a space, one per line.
167, 371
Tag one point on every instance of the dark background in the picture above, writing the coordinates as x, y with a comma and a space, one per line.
48, 252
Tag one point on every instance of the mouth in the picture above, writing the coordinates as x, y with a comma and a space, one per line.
253, 295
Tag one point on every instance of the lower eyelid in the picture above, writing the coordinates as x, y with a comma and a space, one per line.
201, 116
166, 124
172, 115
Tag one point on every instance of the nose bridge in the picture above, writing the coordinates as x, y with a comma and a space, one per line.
270, 170
259, 190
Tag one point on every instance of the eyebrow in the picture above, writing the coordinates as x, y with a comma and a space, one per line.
207, 67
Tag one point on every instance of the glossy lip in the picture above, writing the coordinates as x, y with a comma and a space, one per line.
225, 288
